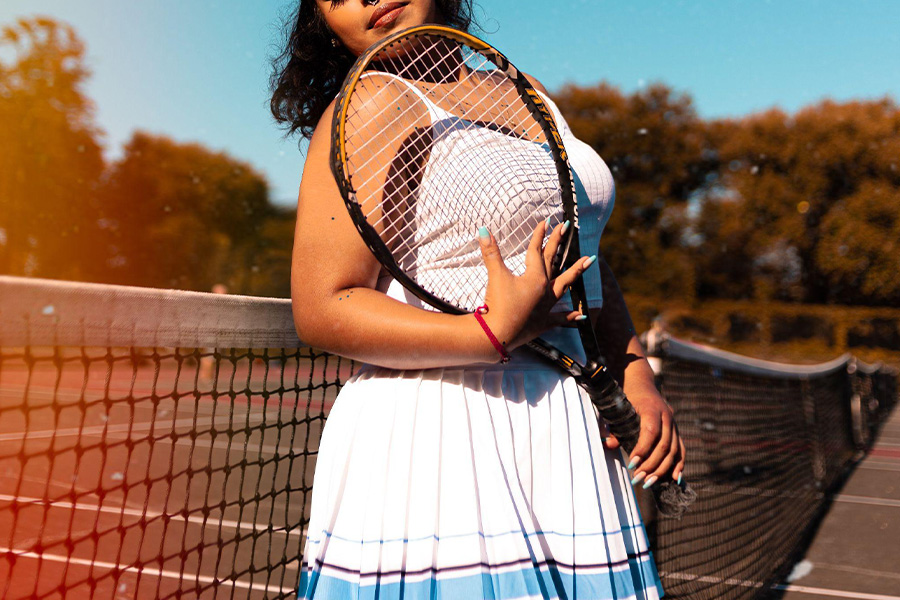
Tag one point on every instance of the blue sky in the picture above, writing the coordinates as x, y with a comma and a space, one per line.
197, 70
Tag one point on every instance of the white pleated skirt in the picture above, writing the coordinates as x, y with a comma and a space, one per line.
463, 483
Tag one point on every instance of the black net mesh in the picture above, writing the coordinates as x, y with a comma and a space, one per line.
766, 449
136, 471
158, 473
185, 469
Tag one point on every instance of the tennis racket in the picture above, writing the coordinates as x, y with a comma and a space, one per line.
434, 133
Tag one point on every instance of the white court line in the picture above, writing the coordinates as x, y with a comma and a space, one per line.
867, 500
882, 460
710, 579
802, 589
164, 427
880, 467
121, 510
238, 446
857, 570
781, 587
147, 571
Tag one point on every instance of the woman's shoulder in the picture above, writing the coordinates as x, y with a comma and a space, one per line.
557, 114
379, 100
536, 84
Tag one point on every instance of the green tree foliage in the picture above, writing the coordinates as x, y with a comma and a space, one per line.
660, 156
270, 273
50, 155
179, 215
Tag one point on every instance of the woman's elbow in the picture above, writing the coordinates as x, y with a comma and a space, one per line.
310, 312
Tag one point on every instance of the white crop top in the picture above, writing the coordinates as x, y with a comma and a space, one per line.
594, 190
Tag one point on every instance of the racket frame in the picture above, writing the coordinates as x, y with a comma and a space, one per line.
594, 377
533, 101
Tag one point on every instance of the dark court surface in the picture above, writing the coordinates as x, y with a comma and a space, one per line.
855, 553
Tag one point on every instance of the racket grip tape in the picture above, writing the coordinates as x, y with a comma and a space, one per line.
671, 498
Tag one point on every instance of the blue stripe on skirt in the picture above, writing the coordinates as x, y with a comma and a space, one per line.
528, 582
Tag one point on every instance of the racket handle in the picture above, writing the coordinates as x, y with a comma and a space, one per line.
672, 498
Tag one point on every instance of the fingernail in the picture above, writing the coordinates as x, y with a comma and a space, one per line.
548, 222
634, 462
483, 233
565, 226
590, 261
650, 482
581, 317
679, 479
637, 478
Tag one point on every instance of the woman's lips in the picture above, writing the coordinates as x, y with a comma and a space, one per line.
386, 14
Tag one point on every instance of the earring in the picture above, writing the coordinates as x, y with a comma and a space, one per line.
335, 43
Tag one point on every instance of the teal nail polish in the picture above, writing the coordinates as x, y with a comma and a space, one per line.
565, 226
679, 479
634, 462
548, 222
650, 482
581, 317
483, 233
590, 261
637, 478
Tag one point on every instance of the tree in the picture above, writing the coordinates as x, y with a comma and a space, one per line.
660, 156
50, 158
270, 270
800, 191
180, 215
859, 248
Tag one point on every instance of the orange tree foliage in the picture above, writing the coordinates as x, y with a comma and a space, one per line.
808, 204
164, 215
50, 156
660, 156
802, 207
180, 215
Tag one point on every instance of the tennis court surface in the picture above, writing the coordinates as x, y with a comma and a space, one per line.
161, 444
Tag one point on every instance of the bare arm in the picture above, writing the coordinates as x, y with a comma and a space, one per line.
336, 307
659, 450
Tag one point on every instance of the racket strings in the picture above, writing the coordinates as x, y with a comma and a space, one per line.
406, 74
414, 160
426, 183
403, 74
354, 112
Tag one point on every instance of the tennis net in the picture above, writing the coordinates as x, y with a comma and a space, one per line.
768, 444
161, 444
154, 444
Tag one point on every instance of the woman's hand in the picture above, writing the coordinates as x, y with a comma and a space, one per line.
519, 306
659, 451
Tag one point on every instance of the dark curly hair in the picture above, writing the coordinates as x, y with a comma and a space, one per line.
308, 73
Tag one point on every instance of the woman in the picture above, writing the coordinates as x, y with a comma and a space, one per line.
442, 472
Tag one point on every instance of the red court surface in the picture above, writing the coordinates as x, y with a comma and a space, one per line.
146, 482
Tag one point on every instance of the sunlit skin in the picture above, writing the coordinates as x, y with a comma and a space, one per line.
338, 308
350, 20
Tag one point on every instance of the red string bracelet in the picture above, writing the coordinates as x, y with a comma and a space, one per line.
504, 355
